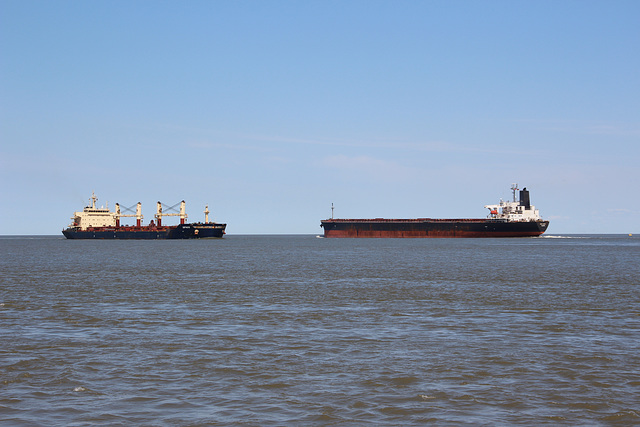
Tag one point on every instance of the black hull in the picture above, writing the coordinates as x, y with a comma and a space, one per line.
424, 228
182, 231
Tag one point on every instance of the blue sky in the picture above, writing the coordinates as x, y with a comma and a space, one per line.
269, 111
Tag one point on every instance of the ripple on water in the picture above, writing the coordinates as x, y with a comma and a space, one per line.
291, 331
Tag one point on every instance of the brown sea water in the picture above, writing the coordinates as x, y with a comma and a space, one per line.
299, 330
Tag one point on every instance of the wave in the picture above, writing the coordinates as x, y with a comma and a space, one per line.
562, 237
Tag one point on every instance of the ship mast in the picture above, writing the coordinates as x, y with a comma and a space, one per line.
514, 188
331, 210
159, 214
206, 214
94, 199
139, 214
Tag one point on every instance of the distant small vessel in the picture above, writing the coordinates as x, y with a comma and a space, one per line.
518, 218
101, 223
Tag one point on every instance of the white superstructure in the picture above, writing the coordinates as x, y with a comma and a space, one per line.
521, 210
94, 217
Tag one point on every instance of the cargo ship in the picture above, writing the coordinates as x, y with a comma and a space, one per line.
102, 223
517, 218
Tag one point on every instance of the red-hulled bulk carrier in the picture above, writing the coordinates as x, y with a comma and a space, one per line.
101, 223
506, 219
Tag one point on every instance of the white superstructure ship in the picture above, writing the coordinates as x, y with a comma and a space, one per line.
102, 223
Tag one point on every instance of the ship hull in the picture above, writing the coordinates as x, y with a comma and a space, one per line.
182, 231
435, 228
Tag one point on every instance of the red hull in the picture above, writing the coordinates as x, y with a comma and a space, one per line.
430, 228
408, 234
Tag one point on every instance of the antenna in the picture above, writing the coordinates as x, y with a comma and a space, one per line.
514, 188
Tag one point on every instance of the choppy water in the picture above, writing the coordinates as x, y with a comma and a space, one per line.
298, 330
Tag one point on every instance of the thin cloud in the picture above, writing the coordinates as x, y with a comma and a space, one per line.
252, 142
209, 145
358, 162
369, 168
430, 146
584, 128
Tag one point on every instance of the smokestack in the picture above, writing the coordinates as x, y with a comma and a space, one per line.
524, 199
